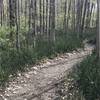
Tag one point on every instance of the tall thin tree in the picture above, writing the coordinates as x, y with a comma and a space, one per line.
98, 28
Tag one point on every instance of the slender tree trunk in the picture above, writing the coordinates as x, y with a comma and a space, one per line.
52, 21
12, 17
34, 3
43, 16
83, 20
21, 6
68, 15
29, 21
18, 13
12, 12
88, 15
1, 11
25, 13
91, 11
65, 14
98, 28
17, 25
40, 17
47, 18
79, 16
73, 16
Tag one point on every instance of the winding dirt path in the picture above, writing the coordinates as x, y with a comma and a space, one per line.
39, 81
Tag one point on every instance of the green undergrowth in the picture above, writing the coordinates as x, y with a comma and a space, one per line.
82, 82
90, 34
88, 77
13, 61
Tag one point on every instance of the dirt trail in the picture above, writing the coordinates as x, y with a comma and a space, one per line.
42, 76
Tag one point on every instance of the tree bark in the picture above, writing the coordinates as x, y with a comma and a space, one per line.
98, 28
83, 20
65, 14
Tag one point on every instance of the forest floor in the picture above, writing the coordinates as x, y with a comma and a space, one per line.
38, 82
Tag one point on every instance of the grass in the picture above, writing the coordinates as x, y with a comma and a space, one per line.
67, 43
88, 77
83, 82
13, 61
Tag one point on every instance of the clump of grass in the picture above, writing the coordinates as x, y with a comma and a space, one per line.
12, 61
67, 43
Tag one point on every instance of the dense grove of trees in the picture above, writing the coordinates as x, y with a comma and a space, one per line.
29, 19
32, 29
